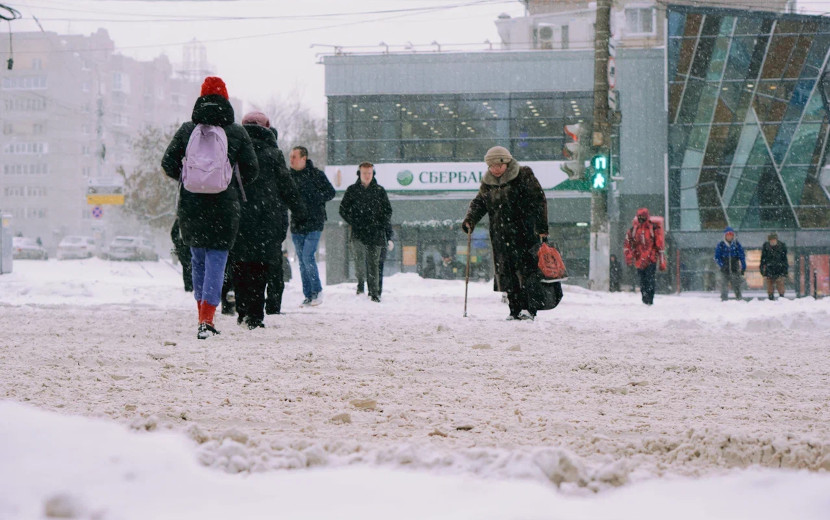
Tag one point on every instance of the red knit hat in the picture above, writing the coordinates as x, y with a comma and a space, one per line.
214, 85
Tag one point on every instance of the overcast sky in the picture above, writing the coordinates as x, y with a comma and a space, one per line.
264, 47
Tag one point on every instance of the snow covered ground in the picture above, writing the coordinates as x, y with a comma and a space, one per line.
405, 409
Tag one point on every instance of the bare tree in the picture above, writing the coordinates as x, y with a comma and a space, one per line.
150, 196
297, 126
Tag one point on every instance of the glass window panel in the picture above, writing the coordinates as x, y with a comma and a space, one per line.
693, 21
723, 113
678, 135
685, 55
718, 60
804, 143
675, 93
815, 57
712, 215
757, 57
691, 97
472, 149
677, 22
706, 105
750, 25
703, 55
798, 57
424, 150
711, 25
778, 56
537, 149
814, 111
782, 142
740, 55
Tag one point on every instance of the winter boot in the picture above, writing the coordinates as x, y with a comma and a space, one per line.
771, 297
206, 328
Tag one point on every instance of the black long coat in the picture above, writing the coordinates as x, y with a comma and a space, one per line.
211, 220
774, 262
368, 212
316, 190
518, 213
262, 224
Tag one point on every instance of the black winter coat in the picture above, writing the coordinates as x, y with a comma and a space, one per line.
211, 220
315, 190
368, 212
263, 221
774, 261
518, 214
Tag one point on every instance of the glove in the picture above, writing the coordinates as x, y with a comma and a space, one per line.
390, 245
467, 226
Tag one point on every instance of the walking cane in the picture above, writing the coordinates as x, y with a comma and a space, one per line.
467, 277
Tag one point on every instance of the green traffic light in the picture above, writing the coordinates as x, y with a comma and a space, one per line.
599, 181
599, 163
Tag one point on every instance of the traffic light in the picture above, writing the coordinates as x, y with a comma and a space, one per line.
600, 171
576, 151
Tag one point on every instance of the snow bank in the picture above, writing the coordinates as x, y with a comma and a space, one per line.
70, 467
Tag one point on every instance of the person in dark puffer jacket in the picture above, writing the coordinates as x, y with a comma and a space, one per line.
261, 225
774, 265
365, 207
209, 222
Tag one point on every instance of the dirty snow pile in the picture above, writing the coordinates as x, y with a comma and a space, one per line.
678, 409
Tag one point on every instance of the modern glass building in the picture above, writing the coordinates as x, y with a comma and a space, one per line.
452, 127
747, 120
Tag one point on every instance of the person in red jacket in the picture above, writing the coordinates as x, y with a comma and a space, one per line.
642, 248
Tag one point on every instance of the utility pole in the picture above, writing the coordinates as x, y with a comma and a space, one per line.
600, 246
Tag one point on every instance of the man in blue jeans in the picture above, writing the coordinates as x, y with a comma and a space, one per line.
316, 190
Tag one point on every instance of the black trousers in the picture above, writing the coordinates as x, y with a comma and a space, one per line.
249, 280
517, 299
647, 283
187, 270
275, 285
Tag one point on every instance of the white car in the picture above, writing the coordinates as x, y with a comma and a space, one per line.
27, 249
74, 246
132, 248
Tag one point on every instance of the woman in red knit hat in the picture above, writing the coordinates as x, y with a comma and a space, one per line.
209, 222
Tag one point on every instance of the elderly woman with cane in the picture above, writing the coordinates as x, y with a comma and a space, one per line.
512, 198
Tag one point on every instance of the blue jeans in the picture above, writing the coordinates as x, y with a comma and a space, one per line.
208, 274
306, 246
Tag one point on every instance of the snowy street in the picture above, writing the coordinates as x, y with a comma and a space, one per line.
599, 393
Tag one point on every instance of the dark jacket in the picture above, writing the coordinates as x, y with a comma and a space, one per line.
211, 220
367, 211
518, 213
774, 261
262, 224
315, 190
730, 255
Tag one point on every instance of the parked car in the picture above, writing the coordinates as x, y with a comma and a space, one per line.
132, 248
75, 246
28, 249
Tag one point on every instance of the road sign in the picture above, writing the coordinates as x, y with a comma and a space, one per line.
105, 198
97, 212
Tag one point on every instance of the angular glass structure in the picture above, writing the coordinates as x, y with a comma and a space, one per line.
748, 119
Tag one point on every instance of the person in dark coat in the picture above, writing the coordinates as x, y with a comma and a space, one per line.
512, 198
209, 222
315, 190
366, 208
615, 274
261, 224
774, 265
277, 267
729, 255
182, 252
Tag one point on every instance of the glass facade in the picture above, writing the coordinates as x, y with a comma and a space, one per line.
452, 128
748, 124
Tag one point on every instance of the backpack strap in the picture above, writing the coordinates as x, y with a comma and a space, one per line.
239, 181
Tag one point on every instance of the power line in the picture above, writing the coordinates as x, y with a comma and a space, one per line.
294, 31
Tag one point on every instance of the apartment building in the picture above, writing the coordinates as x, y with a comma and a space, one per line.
70, 109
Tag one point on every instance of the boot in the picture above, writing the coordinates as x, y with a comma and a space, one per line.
205, 331
206, 328
771, 297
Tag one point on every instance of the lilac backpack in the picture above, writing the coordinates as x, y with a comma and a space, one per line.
205, 167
